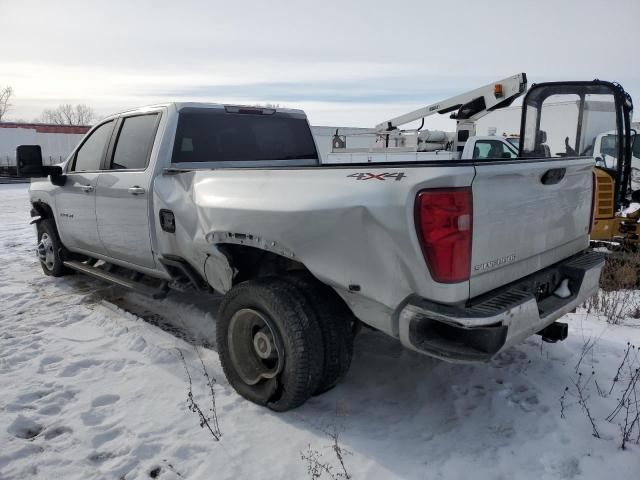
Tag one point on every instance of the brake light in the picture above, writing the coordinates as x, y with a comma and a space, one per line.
249, 110
444, 221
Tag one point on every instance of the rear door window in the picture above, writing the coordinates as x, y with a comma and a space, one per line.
89, 155
134, 143
215, 135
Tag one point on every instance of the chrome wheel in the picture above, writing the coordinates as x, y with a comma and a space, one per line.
255, 347
45, 251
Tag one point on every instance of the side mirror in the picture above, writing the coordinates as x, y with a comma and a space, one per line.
29, 165
506, 155
29, 161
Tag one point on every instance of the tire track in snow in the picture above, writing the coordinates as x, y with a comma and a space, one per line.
192, 323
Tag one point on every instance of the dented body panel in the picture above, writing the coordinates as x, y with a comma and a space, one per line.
346, 232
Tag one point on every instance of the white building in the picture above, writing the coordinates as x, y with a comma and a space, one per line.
57, 141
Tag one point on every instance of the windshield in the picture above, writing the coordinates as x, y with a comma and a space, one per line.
215, 135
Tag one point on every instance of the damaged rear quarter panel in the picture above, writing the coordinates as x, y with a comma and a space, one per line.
345, 231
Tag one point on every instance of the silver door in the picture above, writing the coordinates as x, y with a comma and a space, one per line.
76, 199
76, 204
123, 193
122, 207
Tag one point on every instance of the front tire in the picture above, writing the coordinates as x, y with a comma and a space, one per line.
269, 343
50, 249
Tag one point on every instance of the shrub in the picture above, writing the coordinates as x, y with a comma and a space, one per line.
618, 297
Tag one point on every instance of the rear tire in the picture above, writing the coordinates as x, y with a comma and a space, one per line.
335, 320
270, 343
50, 250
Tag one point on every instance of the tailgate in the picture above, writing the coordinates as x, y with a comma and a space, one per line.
525, 217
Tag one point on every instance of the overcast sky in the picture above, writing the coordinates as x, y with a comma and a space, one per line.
345, 62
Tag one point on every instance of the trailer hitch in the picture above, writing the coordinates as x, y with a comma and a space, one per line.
557, 331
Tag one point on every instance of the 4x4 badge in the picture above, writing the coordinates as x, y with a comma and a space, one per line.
397, 176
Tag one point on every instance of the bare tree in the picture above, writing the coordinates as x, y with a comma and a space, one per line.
67, 114
5, 96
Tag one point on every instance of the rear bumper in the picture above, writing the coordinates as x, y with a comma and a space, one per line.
504, 317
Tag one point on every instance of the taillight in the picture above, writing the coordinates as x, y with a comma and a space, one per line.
249, 110
444, 221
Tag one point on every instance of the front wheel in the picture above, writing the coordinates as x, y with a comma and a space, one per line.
270, 343
49, 249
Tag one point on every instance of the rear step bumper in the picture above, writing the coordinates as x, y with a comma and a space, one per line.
490, 323
119, 280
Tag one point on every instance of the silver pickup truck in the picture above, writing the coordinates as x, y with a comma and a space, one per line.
457, 259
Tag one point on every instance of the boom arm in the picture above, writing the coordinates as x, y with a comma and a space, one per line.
471, 105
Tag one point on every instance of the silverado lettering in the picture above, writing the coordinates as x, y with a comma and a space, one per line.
495, 263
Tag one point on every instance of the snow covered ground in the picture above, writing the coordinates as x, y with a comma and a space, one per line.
91, 386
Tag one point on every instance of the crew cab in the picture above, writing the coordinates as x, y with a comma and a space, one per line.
457, 259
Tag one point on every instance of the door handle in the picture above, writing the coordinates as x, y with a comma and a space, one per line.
553, 176
87, 188
136, 190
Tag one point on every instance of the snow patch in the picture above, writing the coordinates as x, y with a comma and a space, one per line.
563, 290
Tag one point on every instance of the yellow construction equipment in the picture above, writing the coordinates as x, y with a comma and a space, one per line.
608, 224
